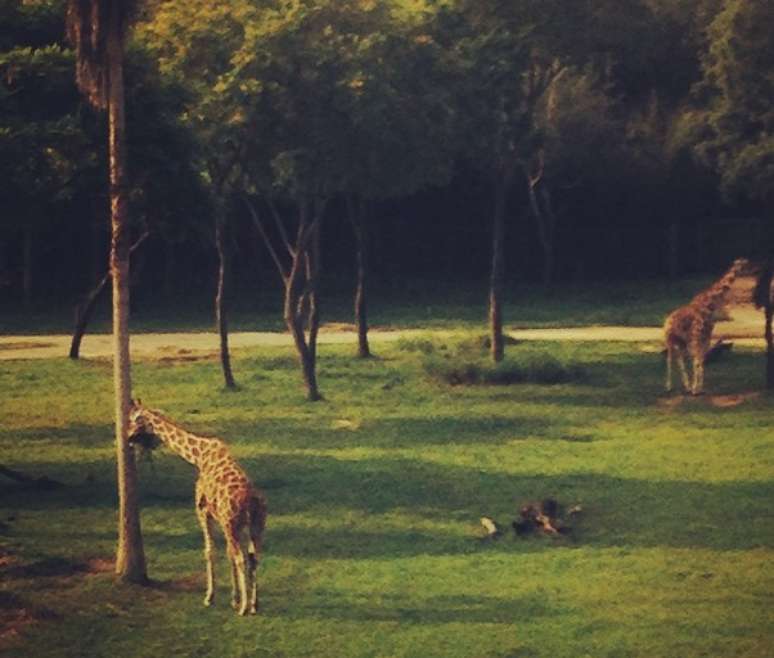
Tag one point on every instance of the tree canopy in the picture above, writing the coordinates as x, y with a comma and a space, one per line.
625, 117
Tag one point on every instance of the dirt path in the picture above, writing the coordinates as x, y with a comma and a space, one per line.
179, 346
745, 327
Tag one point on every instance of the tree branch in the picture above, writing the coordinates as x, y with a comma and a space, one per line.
280, 226
284, 274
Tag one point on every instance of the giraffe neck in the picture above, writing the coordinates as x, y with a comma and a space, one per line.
189, 446
714, 296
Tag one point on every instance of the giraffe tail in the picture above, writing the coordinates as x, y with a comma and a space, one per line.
258, 511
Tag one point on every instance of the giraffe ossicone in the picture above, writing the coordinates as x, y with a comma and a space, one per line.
224, 496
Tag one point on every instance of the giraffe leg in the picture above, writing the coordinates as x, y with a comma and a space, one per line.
698, 373
257, 524
238, 577
699, 348
252, 581
696, 388
206, 523
683, 370
234, 583
669, 368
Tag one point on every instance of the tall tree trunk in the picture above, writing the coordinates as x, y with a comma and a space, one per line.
301, 297
130, 557
300, 280
220, 308
295, 324
762, 298
498, 269
313, 280
356, 211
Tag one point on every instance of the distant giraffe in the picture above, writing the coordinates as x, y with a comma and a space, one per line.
223, 494
688, 329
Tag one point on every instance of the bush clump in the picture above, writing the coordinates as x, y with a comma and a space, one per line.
421, 345
460, 369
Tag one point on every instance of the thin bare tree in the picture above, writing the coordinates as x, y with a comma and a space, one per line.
298, 264
762, 298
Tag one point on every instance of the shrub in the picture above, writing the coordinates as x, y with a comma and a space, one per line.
535, 368
422, 345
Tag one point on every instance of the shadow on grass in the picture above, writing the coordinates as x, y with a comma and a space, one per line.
52, 567
72, 434
617, 511
404, 609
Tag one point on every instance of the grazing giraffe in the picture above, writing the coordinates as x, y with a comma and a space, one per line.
688, 329
223, 494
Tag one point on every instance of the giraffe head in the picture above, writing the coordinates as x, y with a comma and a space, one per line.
140, 431
740, 267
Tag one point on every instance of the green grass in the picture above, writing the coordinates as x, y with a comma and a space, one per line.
373, 545
416, 304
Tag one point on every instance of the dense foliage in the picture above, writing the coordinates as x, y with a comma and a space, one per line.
612, 134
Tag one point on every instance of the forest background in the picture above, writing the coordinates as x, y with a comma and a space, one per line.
606, 139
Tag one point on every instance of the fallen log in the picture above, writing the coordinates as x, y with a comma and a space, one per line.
541, 517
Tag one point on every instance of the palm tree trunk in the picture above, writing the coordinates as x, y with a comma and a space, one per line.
130, 557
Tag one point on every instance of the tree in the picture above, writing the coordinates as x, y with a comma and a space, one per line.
292, 120
408, 100
733, 125
85, 308
505, 56
394, 91
195, 43
97, 29
763, 299
580, 140
41, 141
166, 195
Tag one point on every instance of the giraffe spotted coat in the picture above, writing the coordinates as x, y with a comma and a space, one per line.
688, 329
224, 496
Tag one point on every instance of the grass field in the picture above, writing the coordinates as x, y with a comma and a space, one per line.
373, 546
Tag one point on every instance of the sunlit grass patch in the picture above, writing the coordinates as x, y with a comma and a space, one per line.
374, 545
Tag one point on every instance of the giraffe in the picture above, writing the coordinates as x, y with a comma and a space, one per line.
224, 495
688, 329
